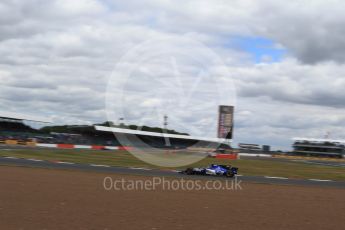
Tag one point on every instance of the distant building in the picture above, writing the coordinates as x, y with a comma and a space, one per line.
266, 148
253, 148
243, 146
319, 147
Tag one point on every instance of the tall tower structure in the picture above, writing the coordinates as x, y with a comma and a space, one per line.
165, 122
225, 121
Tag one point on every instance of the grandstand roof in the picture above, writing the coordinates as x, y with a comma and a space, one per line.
162, 135
22, 117
317, 140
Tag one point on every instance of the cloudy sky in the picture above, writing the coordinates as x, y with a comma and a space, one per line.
281, 63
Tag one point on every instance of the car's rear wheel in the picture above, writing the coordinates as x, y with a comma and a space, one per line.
229, 174
189, 171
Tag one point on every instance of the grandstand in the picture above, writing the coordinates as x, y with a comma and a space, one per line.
12, 127
319, 147
80, 135
163, 140
12, 117
130, 135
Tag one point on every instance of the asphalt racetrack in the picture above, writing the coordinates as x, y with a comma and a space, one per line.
162, 173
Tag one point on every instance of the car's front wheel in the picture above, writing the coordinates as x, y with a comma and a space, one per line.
229, 174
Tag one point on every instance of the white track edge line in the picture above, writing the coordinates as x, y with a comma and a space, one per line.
37, 160
94, 165
274, 177
320, 180
66, 163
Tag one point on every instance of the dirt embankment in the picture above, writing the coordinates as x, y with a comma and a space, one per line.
57, 199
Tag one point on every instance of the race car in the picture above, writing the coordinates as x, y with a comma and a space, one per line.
215, 170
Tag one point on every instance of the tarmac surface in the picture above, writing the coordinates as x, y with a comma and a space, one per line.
162, 173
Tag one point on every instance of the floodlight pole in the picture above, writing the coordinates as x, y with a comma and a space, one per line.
165, 130
165, 122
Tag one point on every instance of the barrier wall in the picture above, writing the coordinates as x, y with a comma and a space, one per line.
33, 144
16, 142
65, 146
253, 155
227, 156
82, 146
46, 145
94, 147
124, 148
111, 148
11, 142
97, 147
21, 142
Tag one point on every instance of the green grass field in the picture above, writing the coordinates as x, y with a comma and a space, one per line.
256, 167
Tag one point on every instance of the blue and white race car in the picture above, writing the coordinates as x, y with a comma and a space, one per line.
215, 170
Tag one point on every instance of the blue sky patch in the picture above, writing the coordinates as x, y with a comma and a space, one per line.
262, 49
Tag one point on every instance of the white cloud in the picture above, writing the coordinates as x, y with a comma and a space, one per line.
80, 7
57, 56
